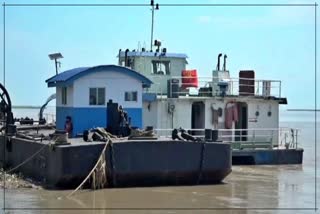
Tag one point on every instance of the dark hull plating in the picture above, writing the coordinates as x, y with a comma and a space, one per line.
129, 163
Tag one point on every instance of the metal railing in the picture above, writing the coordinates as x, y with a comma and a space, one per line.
288, 137
271, 138
50, 118
258, 87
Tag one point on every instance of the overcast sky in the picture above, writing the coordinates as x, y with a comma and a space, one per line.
276, 42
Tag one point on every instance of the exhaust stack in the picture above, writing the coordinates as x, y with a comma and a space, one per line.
218, 64
224, 62
126, 58
119, 59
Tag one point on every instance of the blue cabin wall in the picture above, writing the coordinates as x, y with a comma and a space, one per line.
136, 116
61, 114
87, 118
82, 118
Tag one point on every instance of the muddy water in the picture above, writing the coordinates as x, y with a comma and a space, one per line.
287, 186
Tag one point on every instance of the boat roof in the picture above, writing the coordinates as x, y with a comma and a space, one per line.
152, 54
68, 76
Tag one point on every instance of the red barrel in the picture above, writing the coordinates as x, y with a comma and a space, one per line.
189, 78
246, 83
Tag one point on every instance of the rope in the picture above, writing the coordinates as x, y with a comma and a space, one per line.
95, 166
28, 159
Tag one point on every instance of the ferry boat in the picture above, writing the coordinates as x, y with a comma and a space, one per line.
218, 121
222, 120
242, 111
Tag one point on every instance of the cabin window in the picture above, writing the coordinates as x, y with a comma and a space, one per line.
129, 63
161, 67
131, 96
97, 96
64, 96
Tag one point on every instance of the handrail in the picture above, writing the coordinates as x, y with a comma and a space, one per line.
259, 129
282, 137
209, 77
271, 89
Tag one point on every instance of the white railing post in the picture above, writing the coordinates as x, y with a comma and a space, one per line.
280, 89
285, 139
271, 141
254, 138
296, 138
279, 137
231, 88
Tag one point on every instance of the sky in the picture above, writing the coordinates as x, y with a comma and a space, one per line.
276, 42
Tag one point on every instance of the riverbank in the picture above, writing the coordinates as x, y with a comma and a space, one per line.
15, 181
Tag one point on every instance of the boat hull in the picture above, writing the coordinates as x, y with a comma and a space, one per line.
128, 163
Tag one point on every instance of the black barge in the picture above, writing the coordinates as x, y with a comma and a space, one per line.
128, 162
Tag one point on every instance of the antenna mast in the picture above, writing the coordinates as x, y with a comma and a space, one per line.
152, 11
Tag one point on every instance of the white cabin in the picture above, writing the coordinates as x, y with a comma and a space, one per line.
83, 94
220, 102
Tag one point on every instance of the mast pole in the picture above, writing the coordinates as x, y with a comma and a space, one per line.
152, 19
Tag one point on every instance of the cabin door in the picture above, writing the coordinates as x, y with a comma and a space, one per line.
198, 117
242, 121
112, 120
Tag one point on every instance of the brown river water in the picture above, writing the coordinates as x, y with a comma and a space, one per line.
248, 189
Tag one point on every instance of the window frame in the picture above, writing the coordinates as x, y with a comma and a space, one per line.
134, 95
97, 97
64, 95
167, 67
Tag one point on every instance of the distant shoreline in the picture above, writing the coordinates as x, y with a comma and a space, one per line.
28, 107
303, 110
